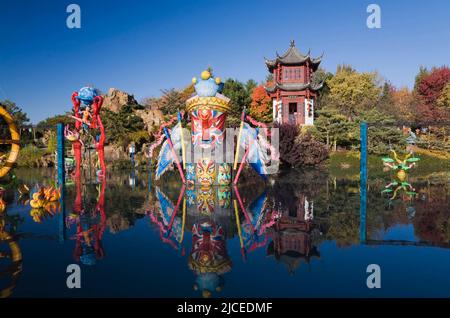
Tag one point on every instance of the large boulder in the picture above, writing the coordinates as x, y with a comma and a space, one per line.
115, 99
152, 118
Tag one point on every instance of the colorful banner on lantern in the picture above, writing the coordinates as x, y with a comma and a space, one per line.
257, 156
166, 158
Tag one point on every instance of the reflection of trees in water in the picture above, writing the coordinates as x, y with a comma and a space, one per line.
336, 205
432, 217
124, 205
31, 175
428, 212
336, 202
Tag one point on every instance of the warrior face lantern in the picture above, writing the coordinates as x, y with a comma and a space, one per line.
207, 127
208, 111
206, 172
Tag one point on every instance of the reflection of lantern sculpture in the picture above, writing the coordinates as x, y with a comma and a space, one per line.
171, 228
257, 219
13, 256
88, 127
90, 225
209, 257
7, 161
209, 210
401, 166
44, 203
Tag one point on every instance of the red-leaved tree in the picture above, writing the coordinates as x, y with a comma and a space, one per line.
429, 89
261, 105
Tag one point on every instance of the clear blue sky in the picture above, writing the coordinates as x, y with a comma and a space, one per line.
144, 46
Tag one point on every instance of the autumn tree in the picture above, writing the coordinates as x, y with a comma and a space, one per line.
261, 105
188, 91
444, 99
352, 92
423, 71
403, 104
429, 91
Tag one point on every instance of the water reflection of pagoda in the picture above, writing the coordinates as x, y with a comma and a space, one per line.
292, 234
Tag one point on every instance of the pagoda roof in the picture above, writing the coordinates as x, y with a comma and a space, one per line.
292, 259
293, 57
293, 87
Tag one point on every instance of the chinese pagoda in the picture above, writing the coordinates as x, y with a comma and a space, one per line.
292, 92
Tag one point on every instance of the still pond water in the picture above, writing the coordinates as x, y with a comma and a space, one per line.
298, 236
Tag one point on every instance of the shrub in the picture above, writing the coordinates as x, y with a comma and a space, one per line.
312, 151
30, 156
139, 137
300, 149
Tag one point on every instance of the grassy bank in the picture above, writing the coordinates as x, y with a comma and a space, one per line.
346, 164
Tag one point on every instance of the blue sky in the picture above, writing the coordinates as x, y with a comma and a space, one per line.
144, 46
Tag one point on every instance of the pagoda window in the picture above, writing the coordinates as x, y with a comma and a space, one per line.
292, 74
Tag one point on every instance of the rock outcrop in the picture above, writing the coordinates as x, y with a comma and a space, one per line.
152, 118
115, 99
117, 223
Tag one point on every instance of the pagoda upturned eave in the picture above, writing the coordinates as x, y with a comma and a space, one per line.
290, 87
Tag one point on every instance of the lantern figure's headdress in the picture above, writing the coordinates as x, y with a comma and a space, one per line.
208, 94
86, 95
